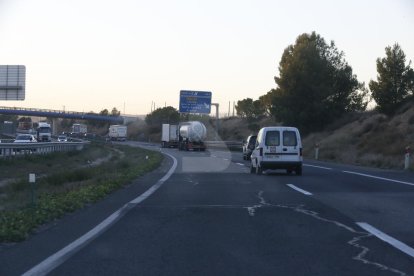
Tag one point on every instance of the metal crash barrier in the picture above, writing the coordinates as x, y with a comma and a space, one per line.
20, 149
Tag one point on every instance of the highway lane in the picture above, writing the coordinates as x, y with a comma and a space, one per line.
213, 217
383, 198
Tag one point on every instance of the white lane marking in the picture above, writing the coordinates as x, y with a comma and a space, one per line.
62, 255
319, 167
240, 164
225, 159
380, 178
299, 189
388, 239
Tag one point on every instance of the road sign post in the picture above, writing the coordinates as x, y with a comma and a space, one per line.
407, 160
32, 181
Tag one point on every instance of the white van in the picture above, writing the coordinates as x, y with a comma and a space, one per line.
277, 147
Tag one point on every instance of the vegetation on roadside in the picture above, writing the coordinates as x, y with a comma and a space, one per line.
65, 191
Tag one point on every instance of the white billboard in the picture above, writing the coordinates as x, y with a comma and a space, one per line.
12, 82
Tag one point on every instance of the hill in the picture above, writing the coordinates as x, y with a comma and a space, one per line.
368, 139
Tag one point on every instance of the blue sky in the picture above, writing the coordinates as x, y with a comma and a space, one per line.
86, 55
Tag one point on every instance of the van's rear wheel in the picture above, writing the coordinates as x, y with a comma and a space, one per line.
252, 169
259, 170
299, 170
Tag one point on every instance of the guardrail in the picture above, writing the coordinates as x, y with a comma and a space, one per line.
231, 145
21, 149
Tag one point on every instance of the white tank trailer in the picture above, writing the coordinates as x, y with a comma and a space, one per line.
192, 135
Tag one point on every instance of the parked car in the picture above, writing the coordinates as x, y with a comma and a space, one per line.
25, 138
277, 148
62, 138
248, 146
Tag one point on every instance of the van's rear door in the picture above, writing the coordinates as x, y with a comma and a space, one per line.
272, 146
290, 148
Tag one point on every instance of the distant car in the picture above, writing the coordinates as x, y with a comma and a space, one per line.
62, 138
248, 146
25, 138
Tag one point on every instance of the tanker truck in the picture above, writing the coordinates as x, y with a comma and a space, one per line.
191, 136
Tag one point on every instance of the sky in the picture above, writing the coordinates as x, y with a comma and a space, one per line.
87, 55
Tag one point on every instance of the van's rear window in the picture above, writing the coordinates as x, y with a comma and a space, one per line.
272, 138
289, 138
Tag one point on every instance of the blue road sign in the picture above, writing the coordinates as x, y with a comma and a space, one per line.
195, 101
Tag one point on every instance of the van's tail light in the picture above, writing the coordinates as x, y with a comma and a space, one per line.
261, 151
300, 151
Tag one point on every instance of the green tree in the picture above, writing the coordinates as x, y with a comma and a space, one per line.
315, 85
266, 102
25, 119
115, 112
395, 80
250, 109
165, 115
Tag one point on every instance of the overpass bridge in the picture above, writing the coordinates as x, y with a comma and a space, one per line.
60, 114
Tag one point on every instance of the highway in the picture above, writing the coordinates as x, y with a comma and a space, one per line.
203, 213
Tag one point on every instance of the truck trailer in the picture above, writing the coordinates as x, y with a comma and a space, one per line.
79, 130
191, 136
117, 132
169, 136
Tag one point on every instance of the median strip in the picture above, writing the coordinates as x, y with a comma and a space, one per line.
388, 239
299, 189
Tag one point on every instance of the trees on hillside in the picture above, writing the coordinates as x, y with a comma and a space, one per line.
315, 85
395, 80
165, 115
250, 109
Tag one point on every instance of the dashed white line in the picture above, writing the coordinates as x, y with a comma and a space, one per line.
299, 189
225, 159
62, 255
240, 164
319, 167
388, 239
380, 178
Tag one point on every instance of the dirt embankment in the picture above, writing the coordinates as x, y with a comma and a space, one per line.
369, 139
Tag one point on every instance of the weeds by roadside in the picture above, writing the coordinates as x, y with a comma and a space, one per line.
62, 192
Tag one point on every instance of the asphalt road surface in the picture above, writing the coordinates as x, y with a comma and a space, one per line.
209, 216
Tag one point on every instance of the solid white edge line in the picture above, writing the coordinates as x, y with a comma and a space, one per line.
299, 189
386, 238
380, 178
319, 167
62, 255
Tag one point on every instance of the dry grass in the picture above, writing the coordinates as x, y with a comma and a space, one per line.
369, 139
